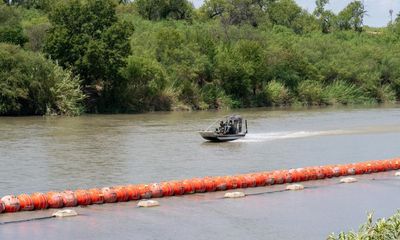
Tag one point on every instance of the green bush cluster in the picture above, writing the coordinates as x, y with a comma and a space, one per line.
31, 85
388, 229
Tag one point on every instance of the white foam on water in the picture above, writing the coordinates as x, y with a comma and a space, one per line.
263, 137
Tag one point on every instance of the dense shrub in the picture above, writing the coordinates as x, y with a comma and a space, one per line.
387, 229
31, 84
277, 93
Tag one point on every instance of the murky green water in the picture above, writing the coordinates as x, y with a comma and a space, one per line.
51, 153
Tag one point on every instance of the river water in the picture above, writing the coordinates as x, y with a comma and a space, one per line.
58, 153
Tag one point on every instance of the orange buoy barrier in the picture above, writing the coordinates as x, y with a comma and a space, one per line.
54, 200
37, 201
25, 202
11, 203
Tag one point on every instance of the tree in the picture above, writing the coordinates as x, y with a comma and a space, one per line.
88, 38
164, 9
31, 84
325, 17
144, 80
284, 12
10, 27
235, 12
352, 17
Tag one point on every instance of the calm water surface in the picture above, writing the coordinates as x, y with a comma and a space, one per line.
54, 153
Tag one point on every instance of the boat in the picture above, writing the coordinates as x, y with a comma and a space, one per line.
231, 128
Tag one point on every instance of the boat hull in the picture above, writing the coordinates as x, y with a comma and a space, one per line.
215, 137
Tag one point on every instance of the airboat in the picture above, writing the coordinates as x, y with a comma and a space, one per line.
228, 129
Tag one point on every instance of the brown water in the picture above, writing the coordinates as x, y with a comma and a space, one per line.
54, 153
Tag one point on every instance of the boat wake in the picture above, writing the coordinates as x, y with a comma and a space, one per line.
263, 137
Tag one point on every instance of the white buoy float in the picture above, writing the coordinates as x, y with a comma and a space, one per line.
348, 180
65, 213
234, 195
294, 187
148, 203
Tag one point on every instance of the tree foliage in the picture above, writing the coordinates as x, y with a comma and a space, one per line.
31, 84
164, 9
227, 53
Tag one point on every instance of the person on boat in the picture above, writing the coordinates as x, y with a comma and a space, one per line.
231, 128
222, 126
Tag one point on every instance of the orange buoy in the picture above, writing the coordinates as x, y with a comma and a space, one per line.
156, 190
133, 192
109, 195
96, 196
395, 163
11, 203
178, 187
269, 178
54, 200
327, 170
359, 168
320, 173
231, 182
311, 173
167, 189
189, 186
69, 198
122, 193
39, 200
211, 185
220, 183
241, 181
199, 185
387, 165
250, 180
287, 176
278, 176
83, 197
145, 191
294, 175
260, 179
25, 202
351, 170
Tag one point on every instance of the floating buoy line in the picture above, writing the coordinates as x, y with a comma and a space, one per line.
68, 198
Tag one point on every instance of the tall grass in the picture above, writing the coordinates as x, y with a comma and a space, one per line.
341, 92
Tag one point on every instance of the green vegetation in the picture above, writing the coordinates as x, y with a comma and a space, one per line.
383, 229
32, 84
150, 55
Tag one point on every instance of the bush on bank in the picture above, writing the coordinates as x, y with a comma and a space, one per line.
388, 229
30, 84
